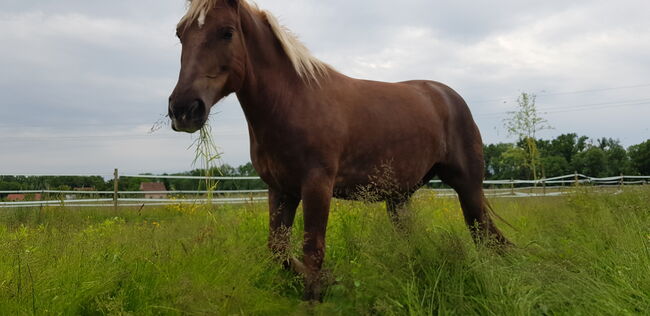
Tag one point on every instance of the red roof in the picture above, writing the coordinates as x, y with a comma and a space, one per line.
22, 197
15, 197
152, 186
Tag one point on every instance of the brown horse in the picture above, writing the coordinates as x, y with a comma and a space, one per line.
316, 133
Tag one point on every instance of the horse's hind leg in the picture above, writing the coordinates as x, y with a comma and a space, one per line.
282, 210
398, 204
397, 207
467, 182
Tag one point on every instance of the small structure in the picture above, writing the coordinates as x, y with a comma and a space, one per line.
15, 197
157, 190
23, 197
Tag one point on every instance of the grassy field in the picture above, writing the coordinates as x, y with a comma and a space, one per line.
583, 254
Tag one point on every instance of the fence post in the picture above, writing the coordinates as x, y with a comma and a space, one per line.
512, 186
575, 176
543, 182
116, 179
621, 183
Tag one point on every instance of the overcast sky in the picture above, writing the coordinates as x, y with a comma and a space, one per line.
82, 82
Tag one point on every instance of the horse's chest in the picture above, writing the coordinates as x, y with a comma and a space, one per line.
276, 168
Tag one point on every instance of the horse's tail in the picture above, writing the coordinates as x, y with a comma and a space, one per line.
492, 213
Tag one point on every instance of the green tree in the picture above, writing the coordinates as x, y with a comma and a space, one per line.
8, 183
591, 162
492, 155
524, 124
567, 146
640, 157
618, 161
247, 170
512, 164
504, 161
555, 165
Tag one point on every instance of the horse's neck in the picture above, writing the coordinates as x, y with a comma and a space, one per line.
270, 82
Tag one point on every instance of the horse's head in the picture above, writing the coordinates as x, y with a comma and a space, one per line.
212, 61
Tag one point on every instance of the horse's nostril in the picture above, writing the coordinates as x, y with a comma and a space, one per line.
187, 112
194, 105
197, 109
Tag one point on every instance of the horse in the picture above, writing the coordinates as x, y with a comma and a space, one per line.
316, 134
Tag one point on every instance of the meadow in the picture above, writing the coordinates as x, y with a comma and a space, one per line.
586, 253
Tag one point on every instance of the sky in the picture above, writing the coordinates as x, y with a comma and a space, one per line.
82, 83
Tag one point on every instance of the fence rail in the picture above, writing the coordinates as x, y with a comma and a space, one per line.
510, 188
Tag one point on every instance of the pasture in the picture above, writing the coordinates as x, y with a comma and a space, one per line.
584, 253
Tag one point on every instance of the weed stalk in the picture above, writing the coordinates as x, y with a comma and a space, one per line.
206, 155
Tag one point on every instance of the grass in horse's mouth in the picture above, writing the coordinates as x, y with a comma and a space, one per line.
206, 156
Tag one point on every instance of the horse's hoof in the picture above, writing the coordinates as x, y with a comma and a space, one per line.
313, 291
500, 245
327, 277
315, 283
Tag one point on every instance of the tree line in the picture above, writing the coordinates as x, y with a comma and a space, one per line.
533, 158
97, 183
566, 154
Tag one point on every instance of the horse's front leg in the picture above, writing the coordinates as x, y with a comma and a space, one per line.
282, 210
316, 197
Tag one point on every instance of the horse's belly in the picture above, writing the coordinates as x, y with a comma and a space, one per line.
381, 179
375, 189
390, 157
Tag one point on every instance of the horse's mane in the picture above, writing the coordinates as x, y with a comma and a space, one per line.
306, 65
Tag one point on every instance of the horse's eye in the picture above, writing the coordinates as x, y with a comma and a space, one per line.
227, 34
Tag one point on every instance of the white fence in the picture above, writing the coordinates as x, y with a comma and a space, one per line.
506, 188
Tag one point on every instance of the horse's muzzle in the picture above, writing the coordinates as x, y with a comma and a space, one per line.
187, 116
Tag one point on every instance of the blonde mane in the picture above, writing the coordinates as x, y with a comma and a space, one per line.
306, 65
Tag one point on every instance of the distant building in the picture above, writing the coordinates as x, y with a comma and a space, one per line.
15, 197
157, 189
23, 197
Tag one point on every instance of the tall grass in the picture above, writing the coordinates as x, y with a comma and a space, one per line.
206, 156
583, 254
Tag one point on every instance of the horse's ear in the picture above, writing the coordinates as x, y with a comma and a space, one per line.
233, 3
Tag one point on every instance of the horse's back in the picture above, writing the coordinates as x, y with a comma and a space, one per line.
443, 96
458, 116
